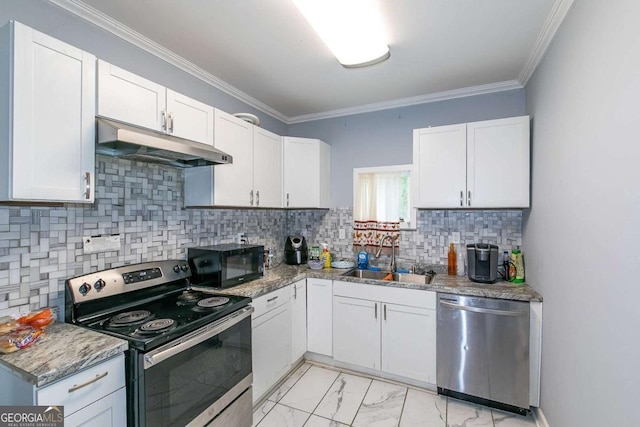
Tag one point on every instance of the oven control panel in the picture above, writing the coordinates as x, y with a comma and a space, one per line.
141, 275
126, 279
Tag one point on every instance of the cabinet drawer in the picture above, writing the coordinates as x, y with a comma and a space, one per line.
270, 301
401, 296
100, 381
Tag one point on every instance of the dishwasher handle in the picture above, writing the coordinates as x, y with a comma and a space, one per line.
512, 313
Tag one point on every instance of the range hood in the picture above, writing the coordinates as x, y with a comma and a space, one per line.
134, 143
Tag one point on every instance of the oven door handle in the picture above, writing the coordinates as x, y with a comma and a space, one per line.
156, 356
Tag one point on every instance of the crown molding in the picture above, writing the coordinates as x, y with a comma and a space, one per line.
110, 25
547, 33
414, 100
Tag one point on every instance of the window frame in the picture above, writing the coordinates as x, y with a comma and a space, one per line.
407, 225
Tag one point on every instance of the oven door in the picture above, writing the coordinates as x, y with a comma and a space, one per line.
191, 380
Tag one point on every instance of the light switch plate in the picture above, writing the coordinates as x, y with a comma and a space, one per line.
342, 234
455, 237
95, 244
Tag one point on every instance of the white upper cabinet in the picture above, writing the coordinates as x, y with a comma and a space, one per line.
498, 163
188, 118
307, 173
47, 118
440, 154
254, 179
129, 98
267, 168
474, 165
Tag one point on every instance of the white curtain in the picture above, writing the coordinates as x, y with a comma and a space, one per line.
373, 193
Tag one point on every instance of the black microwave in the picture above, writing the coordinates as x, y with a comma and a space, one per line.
223, 266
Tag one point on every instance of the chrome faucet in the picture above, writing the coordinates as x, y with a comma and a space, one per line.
392, 266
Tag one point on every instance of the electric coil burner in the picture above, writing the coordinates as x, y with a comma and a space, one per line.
189, 357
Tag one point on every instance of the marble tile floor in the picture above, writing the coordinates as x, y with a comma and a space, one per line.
319, 396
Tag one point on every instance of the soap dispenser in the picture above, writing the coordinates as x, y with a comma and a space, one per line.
363, 258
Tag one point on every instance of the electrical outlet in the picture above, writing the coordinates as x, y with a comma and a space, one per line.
95, 244
342, 234
241, 237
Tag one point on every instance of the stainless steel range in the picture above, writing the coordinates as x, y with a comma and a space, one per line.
189, 357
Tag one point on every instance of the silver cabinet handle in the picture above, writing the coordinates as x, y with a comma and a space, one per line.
375, 307
251, 197
385, 311
295, 292
164, 119
272, 299
258, 198
461, 196
171, 122
469, 198
87, 188
91, 381
287, 199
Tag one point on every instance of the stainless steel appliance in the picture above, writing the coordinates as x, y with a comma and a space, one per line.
482, 261
295, 250
135, 143
189, 357
483, 351
222, 266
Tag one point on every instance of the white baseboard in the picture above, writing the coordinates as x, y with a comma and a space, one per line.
539, 418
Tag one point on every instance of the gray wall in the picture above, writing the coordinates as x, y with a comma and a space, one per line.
386, 137
56, 22
581, 235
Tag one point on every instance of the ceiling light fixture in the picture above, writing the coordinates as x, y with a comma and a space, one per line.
351, 29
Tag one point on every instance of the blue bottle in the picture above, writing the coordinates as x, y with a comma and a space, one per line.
363, 259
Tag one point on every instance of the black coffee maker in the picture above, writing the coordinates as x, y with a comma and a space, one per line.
482, 260
295, 250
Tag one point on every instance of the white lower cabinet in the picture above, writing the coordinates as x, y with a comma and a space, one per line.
409, 342
356, 332
271, 339
94, 396
387, 329
298, 319
320, 316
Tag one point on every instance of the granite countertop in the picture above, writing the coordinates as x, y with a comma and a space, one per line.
62, 350
284, 275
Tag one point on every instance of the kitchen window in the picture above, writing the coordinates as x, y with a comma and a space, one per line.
383, 194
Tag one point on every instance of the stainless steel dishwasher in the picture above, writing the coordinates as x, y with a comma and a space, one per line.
483, 351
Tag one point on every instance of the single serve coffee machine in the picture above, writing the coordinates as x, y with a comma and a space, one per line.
482, 262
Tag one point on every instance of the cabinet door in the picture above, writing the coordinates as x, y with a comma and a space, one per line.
188, 118
53, 143
271, 343
302, 173
498, 163
320, 316
439, 158
356, 332
110, 411
129, 98
267, 171
233, 183
409, 342
299, 319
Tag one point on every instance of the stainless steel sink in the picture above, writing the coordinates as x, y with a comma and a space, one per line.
395, 277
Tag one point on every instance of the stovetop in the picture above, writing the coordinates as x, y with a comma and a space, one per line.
154, 323
148, 304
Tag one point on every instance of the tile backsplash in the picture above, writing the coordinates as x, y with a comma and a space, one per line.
41, 246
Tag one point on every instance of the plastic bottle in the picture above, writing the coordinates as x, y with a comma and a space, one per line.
460, 264
518, 262
451, 265
363, 258
326, 256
